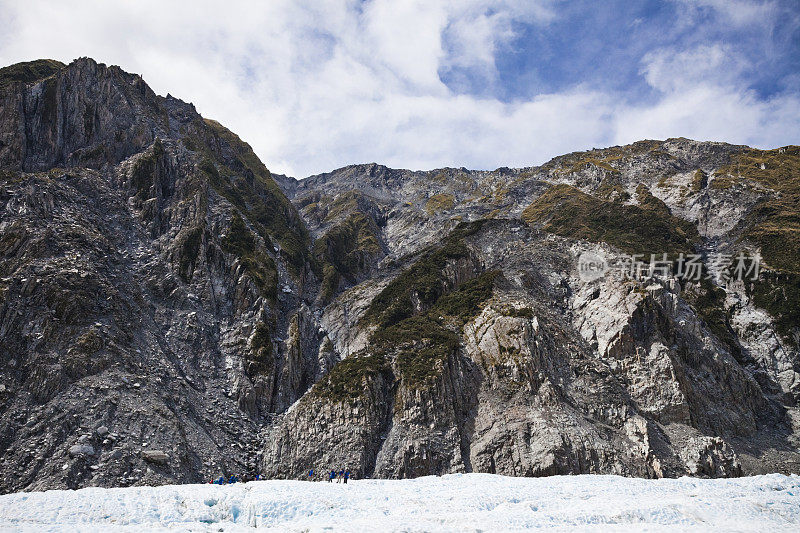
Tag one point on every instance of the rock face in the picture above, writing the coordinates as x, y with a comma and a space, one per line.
172, 312
139, 287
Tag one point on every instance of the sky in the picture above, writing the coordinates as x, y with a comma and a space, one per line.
314, 86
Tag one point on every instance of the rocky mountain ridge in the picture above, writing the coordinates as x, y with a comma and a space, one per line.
172, 311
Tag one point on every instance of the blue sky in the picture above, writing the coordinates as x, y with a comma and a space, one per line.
425, 84
603, 45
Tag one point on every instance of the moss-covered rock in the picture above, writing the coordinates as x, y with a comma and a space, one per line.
29, 71
89, 343
423, 283
348, 380
643, 229
241, 242
346, 251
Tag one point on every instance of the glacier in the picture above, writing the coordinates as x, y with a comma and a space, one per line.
455, 502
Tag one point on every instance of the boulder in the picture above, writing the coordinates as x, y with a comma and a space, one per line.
155, 456
81, 450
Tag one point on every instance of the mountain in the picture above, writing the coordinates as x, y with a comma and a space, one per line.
171, 311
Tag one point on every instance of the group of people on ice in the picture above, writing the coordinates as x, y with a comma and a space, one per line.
234, 479
341, 476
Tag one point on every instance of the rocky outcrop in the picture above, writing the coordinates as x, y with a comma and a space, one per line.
711, 457
69, 117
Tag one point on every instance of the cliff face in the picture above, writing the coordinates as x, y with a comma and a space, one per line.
169, 311
146, 287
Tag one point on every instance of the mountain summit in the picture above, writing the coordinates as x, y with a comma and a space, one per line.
170, 311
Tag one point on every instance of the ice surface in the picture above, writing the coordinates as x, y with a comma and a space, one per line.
468, 502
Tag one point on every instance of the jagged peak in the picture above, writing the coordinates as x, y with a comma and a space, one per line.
361, 168
637, 147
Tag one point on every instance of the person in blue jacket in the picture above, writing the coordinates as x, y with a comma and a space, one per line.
346, 476
233, 479
311, 475
331, 476
341, 476
220, 481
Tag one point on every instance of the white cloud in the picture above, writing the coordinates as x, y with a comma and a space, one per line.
704, 96
671, 70
313, 87
477, 27
712, 113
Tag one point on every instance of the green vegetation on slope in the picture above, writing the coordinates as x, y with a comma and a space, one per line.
774, 226
419, 314
612, 191
775, 222
779, 294
29, 71
708, 302
236, 173
241, 242
189, 249
699, 180
260, 361
348, 379
602, 164
439, 202
648, 228
419, 341
144, 170
345, 251
344, 203
602, 159
423, 283
422, 343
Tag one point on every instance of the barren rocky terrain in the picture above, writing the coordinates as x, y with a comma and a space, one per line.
171, 311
